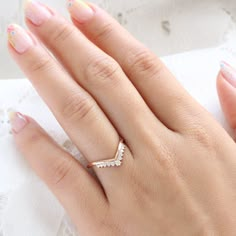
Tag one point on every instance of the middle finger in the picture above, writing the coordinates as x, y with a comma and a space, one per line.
98, 73
74, 108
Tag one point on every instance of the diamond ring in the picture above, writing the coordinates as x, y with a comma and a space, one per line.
114, 162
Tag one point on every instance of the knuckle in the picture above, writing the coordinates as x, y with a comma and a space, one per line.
163, 156
43, 63
63, 32
61, 170
108, 226
34, 139
143, 61
200, 134
77, 107
103, 69
104, 32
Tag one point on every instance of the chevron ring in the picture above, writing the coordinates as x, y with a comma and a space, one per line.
114, 162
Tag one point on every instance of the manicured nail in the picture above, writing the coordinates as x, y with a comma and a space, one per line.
229, 73
19, 38
79, 10
36, 12
18, 121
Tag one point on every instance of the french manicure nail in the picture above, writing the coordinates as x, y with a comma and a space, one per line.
229, 73
19, 38
79, 10
36, 12
18, 121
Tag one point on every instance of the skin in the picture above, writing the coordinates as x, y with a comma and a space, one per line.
179, 171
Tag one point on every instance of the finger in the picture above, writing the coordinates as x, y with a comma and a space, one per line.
76, 110
82, 197
226, 85
100, 75
161, 91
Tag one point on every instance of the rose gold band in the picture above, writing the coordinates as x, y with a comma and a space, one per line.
114, 162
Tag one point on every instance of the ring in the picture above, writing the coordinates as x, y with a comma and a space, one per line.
114, 162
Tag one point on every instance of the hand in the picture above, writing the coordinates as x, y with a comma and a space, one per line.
178, 173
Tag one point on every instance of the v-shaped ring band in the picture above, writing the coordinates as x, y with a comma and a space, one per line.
114, 162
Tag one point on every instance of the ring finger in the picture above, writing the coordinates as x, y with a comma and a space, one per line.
75, 109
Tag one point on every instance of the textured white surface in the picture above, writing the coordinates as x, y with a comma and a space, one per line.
37, 212
165, 26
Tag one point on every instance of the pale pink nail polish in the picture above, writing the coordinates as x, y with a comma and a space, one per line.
19, 38
36, 12
79, 10
18, 121
229, 73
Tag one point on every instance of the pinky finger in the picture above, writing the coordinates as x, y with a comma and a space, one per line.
226, 86
79, 193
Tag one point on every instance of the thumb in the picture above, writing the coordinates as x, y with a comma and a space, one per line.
226, 86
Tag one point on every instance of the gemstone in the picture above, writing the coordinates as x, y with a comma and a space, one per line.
118, 163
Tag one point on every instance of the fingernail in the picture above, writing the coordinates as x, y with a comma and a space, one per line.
79, 10
229, 73
19, 38
18, 121
36, 12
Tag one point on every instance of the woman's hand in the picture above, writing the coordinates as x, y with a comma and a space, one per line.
178, 175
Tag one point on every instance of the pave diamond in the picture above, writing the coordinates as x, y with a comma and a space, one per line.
117, 161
